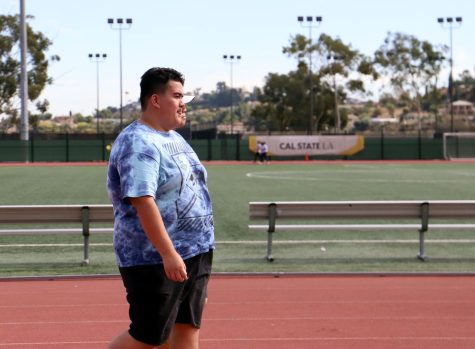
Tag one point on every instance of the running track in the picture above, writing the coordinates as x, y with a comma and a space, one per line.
256, 312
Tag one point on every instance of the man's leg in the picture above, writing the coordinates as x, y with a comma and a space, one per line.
184, 336
126, 341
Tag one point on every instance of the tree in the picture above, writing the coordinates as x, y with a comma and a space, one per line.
350, 66
221, 97
282, 103
37, 66
465, 87
262, 118
412, 65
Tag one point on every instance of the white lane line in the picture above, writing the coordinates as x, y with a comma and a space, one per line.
322, 339
73, 322
256, 319
36, 344
89, 305
266, 339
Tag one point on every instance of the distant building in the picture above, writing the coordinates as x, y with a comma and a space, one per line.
63, 120
238, 127
352, 118
463, 108
384, 121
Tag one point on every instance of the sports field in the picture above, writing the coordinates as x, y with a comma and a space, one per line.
239, 249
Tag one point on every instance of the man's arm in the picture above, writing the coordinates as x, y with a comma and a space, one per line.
154, 228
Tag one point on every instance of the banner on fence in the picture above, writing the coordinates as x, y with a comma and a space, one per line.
309, 145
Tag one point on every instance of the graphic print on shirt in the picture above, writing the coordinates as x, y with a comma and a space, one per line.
193, 206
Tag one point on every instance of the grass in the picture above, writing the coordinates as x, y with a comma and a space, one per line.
232, 187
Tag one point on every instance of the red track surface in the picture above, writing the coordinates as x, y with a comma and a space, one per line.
256, 312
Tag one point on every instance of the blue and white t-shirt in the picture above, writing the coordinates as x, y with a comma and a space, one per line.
147, 162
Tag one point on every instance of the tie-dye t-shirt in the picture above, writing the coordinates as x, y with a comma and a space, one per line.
146, 162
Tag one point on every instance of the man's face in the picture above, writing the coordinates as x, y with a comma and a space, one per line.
172, 110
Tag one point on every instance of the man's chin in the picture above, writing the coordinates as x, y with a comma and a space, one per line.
182, 121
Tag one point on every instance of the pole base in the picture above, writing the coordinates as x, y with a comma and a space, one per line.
422, 257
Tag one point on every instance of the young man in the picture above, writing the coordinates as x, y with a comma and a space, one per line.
163, 231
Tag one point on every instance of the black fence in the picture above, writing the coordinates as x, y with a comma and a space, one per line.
96, 147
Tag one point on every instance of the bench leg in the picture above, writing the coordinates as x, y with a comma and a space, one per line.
421, 255
272, 217
85, 233
269, 247
86, 250
424, 227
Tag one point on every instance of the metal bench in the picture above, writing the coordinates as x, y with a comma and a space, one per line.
58, 214
423, 210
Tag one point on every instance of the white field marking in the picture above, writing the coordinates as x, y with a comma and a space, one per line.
366, 166
468, 174
311, 176
290, 242
388, 168
276, 242
54, 245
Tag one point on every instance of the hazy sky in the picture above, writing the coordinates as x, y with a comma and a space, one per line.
192, 35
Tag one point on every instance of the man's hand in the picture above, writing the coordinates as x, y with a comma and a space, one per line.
175, 268
152, 223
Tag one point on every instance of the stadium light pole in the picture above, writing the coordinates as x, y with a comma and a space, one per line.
332, 58
449, 23
24, 126
231, 60
307, 22
97, 58
119, 25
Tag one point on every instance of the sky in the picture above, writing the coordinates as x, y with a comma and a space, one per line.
193, 35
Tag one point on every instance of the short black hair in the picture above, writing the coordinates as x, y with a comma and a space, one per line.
155, 80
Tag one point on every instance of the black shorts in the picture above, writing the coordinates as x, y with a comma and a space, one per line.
157, 303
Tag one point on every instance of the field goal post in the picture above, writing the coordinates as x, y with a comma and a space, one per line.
459, 145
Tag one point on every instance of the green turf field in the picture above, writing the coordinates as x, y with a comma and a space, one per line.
240, 249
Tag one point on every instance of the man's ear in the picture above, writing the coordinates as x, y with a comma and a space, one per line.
155, 100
